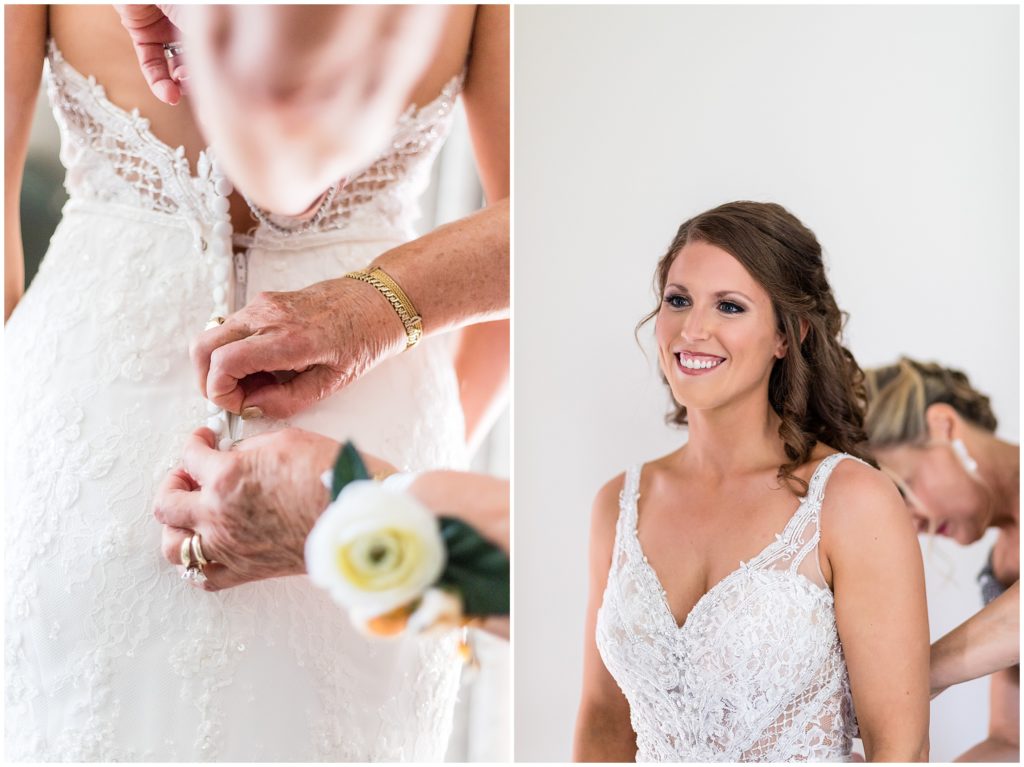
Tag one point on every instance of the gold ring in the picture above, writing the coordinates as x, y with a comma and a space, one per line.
195, 543
214, 322
186, 553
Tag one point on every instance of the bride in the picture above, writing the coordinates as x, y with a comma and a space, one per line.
823, 625
109, 655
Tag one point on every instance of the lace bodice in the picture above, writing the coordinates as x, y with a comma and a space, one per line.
756, 671
112, 157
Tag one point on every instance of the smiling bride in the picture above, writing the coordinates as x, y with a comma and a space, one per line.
819, 633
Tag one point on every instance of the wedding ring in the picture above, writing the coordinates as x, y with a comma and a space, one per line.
186, 554
173, 49
214, 321
196, 545
194, 574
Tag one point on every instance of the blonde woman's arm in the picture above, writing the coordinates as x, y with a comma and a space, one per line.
24, 50
987, 642
1003, 741
870, 550
603, 729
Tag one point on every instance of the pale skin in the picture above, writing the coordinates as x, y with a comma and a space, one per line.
944, 497
255, 505
462, 283
734, 505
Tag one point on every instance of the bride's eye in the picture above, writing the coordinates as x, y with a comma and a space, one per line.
728, 307
677, 301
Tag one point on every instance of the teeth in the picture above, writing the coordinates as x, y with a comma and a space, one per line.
698, 364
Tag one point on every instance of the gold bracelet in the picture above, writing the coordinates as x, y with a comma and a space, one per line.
399, 302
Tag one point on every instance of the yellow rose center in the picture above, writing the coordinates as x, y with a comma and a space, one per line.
381, 560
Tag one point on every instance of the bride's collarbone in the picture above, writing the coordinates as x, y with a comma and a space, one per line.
694, 537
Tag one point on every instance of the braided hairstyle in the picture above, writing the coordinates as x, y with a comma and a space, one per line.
899, 395
817, 389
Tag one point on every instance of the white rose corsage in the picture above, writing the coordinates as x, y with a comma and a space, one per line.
393, 564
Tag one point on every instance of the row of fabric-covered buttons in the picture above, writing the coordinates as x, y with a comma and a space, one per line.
221, 254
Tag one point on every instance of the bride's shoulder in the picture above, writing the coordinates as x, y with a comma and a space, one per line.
606, 502
861, 503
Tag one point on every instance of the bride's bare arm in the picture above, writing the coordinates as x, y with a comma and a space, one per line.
870, 550
24, 50
482, 361
603, 729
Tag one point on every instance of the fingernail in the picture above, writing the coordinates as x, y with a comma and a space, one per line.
251, 412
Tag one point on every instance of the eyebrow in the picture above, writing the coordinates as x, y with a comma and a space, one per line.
718, 294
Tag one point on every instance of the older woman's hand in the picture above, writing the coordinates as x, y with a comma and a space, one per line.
285, 351
253, 506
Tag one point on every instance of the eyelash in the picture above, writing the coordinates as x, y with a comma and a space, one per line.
736, 308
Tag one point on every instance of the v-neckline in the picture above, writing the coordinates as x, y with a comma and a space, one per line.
743, 565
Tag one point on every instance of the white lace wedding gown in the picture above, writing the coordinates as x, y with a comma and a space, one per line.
109, 654
756, 672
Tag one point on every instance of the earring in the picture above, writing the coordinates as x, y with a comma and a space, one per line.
965, 458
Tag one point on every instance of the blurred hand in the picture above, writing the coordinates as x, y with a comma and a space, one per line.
150, 27
285, 351
253, 506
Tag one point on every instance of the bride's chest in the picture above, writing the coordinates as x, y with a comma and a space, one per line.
756, 631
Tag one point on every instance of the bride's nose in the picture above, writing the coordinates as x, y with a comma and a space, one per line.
695, 326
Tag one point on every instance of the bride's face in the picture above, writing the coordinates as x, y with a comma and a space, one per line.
716, 329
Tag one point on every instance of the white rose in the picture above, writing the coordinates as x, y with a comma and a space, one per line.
375, 549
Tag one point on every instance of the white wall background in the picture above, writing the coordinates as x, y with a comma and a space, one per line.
891, 131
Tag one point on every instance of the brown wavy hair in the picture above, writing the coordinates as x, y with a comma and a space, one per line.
817, 389
899, 395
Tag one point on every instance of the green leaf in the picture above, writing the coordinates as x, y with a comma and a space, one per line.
476, 568
347, 468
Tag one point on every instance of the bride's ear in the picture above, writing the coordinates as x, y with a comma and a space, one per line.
782, 343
